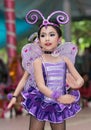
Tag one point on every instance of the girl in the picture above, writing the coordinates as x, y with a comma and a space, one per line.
45, 95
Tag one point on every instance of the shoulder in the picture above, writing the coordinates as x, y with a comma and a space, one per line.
66, 59
37, 65
38, 61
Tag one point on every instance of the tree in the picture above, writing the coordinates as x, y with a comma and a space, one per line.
81, 33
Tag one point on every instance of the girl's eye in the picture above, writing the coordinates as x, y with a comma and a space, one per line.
42, 35
52, 34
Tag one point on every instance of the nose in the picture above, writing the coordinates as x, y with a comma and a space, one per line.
47, 38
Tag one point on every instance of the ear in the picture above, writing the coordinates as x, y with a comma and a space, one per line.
59, 40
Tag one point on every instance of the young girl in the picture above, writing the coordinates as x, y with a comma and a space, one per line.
46, 74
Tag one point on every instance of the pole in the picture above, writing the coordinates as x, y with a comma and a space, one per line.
67, 27
11, 29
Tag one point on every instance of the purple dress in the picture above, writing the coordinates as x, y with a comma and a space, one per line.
47, 109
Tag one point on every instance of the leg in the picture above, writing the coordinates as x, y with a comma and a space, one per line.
58, 126
36, 124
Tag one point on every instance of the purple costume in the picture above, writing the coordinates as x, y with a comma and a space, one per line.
44, 108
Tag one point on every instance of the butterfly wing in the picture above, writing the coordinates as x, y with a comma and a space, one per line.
29, 53
69, 50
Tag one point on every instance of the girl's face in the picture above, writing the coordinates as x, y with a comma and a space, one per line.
48, 38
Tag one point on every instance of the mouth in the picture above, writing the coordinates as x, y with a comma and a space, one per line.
48, 44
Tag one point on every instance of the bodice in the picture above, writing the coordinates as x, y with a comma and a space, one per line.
55, 76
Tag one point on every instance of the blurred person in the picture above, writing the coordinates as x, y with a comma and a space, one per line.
3, 72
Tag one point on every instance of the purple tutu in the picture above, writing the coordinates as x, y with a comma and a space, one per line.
53, 112
44, 108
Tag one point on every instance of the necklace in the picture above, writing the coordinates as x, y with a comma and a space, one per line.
47, 52
54, 54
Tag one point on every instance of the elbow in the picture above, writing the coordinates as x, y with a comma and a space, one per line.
80, 83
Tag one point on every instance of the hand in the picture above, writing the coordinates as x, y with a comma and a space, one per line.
12, 102
66, 99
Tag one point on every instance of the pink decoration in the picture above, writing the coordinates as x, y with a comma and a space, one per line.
10, 26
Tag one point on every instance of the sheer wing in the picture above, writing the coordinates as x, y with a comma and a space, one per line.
29, 53
68, 49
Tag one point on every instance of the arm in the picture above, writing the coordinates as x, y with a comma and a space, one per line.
40, 79
18, 89
74, 79
21, 84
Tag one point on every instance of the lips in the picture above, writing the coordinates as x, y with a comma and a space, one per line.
48, 44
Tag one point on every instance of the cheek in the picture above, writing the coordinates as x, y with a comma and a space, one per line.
41, 42
56, 40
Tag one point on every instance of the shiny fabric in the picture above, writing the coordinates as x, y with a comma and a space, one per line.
47, 109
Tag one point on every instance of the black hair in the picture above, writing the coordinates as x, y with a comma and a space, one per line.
57, 28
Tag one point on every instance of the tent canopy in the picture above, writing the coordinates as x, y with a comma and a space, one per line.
80, 10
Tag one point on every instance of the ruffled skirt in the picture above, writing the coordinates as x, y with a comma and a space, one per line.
52, 111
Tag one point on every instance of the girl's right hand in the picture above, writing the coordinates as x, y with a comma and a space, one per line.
12, 102
66, 99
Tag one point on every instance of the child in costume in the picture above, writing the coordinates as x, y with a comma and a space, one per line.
50, 80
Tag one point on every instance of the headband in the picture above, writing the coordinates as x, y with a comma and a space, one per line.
33, 16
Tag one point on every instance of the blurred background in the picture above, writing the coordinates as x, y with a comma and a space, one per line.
14, 34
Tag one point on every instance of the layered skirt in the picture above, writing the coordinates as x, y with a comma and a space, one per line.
52, 111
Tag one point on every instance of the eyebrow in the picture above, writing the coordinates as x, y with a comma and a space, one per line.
52, 32
43, 33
